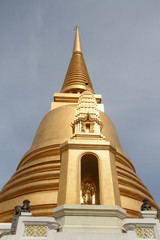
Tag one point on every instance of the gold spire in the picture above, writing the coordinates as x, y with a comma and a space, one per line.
77, 75
77, 42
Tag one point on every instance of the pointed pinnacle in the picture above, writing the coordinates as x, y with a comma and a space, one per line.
77, 42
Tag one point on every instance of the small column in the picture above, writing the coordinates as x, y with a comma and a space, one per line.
69, 185
109, 189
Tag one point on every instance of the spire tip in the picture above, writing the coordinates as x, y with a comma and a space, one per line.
77, 42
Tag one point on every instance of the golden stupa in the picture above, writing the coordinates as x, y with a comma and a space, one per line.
38, 173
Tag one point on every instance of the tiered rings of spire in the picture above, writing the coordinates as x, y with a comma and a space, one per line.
77, 75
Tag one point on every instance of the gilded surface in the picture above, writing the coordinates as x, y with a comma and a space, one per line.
37, 176
77, 75
88, 192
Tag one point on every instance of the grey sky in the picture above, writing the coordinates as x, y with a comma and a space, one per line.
121, 46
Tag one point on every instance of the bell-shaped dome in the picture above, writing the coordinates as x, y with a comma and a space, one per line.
37, 176
55, 128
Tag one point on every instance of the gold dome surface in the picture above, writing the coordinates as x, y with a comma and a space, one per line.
55, 128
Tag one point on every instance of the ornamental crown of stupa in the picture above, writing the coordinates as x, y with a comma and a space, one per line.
87, 114
87, 107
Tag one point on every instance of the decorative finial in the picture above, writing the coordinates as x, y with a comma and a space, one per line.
26, 206
146, 205
17, 213
75, 28
77, 43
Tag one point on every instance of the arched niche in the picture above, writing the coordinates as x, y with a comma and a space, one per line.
89, 179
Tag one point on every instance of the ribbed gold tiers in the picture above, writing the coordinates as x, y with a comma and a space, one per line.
77, 75
37, 176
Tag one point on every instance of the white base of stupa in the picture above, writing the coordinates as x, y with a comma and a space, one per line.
90, 218
97, 223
